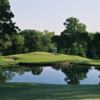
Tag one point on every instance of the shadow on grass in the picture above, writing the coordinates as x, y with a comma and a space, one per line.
48, 92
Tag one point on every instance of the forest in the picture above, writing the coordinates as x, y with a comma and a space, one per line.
73, 40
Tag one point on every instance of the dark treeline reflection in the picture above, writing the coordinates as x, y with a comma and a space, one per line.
98, 68
73, 73
8, 73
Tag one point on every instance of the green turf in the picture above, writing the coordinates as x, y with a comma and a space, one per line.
44, 57
48, 92
40, 57
5, 61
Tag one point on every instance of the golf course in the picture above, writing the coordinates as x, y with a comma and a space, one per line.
46, 58
49, 50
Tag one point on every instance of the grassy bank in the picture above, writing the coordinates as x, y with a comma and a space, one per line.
48, 92
4, 61
44, 57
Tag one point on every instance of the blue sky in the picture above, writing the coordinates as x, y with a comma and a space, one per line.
50, 14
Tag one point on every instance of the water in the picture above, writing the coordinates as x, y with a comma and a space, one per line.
67, 74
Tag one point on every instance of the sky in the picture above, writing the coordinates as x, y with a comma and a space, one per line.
51, 14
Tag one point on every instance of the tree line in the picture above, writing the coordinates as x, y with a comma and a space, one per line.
74, 40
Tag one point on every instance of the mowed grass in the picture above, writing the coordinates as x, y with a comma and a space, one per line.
44, 57
94, 62
6, 61
22, 91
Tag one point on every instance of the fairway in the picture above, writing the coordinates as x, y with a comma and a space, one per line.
46, 58
25, 91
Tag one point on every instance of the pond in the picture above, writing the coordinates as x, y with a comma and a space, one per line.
66, 74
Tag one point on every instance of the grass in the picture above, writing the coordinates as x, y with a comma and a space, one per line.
44, 57
94, 62
26, 91
6, 61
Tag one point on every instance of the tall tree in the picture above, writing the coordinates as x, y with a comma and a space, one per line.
73, 26
7, 26
96, 45
46, 41
33, 40
73, 31
56, 40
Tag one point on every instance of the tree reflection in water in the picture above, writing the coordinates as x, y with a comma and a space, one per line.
36, 70
98, 68
8, 73
5, 75
74, 73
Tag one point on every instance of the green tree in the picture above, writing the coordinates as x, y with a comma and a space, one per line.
56, 40
73, 26
96, 45
74, 37
33, 40
6, 24
17, 44
46, 41
7, 27
37, 41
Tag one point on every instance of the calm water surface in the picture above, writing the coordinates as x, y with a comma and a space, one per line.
69, 74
